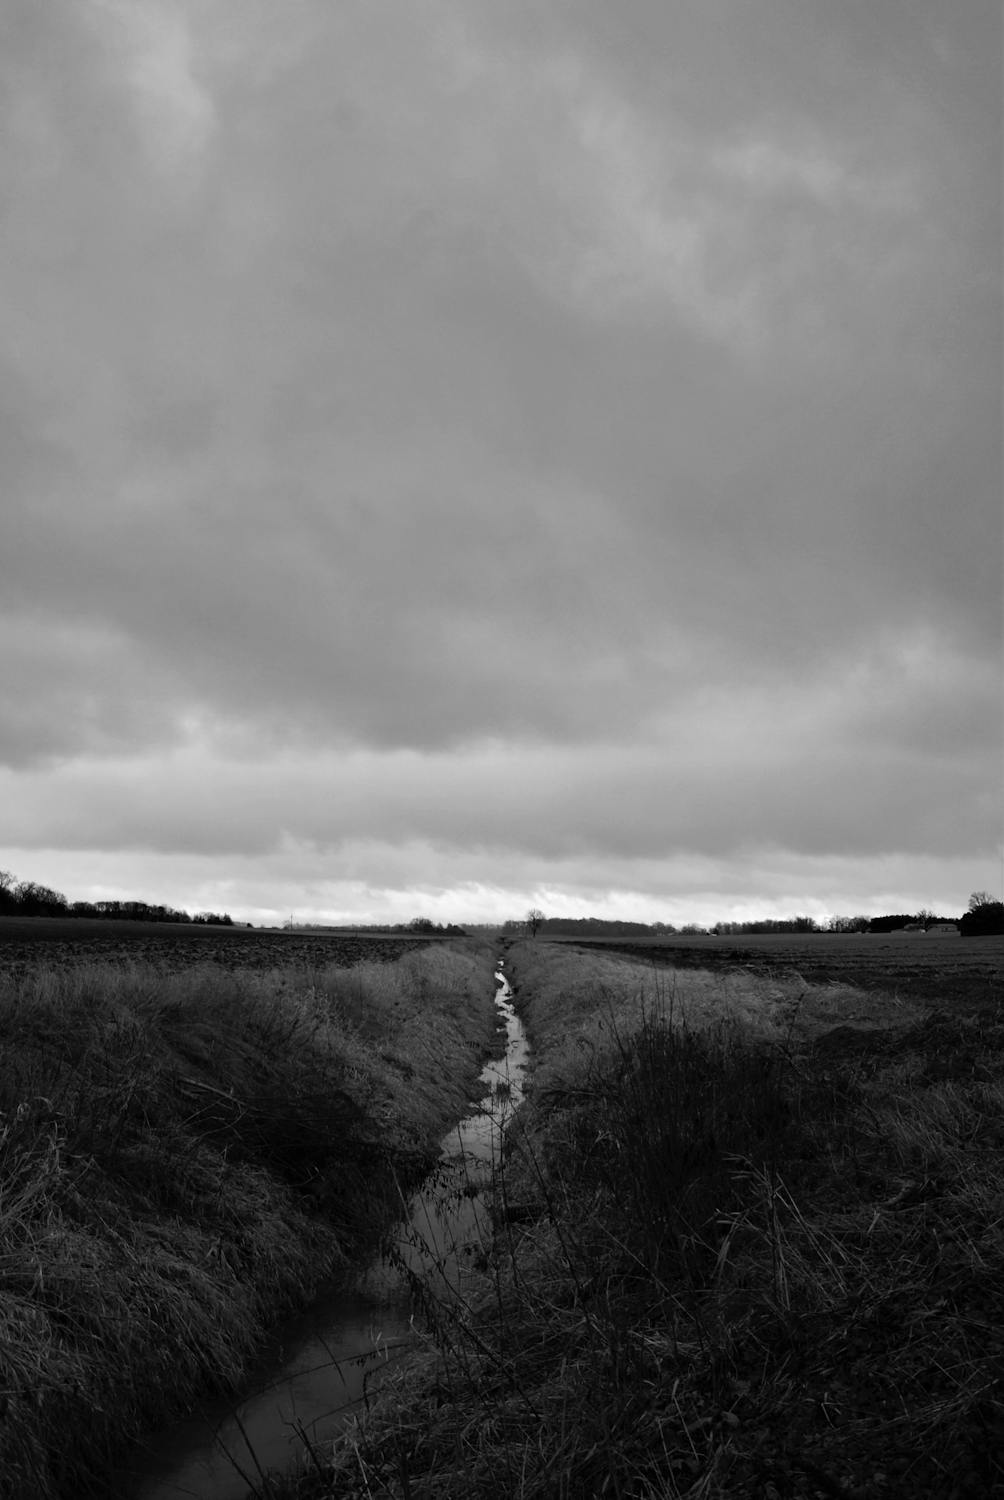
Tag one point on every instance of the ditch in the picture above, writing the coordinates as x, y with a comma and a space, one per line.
320, 1365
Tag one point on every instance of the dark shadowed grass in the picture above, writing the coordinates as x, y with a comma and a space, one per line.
732, 1259
182, 1158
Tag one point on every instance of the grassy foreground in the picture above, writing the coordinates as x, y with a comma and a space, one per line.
750, 1242
183, 1158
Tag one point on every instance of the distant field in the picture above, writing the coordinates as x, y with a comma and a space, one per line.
939, 970
33, 942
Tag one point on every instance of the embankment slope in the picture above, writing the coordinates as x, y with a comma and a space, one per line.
748, 1244
183, 1158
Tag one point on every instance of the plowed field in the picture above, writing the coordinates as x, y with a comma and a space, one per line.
30, 943
952, 972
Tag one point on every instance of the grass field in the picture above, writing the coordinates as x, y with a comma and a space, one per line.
185, 1155
750, 1240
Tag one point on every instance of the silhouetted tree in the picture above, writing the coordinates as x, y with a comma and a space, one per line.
35, 900
981, 898
534, 917
891, 923
986, 919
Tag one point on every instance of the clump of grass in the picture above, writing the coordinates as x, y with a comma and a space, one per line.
182, 1159
647, 1129
730, 1260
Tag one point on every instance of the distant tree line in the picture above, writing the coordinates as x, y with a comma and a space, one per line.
421, 925
27, 898
765, 924
894, 922
979, 919
424, 926
427, 925
535, 922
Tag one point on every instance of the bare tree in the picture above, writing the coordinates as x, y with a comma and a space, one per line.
980, 898
36, 900
534, 917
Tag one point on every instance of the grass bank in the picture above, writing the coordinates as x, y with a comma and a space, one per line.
749, 1243
183, 1158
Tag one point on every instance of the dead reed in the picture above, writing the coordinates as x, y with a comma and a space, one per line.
734, 1257
182, 1159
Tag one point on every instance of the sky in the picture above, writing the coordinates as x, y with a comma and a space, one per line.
461, 455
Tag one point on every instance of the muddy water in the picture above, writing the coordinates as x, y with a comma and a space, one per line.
321, 1362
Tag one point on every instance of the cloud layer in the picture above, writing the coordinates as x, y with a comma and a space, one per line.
519, 437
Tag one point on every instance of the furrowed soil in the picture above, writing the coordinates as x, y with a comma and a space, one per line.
749, 1238
27, 942
958, 973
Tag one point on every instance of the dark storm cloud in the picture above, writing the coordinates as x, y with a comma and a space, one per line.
575, 431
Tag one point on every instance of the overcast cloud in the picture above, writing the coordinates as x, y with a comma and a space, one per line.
462, 455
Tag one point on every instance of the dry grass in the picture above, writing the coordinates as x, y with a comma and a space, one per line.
738, 1254
182, 1158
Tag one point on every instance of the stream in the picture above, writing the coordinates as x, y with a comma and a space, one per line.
316, 1368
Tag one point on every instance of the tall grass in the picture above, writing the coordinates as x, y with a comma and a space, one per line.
737, 1254
182, 1158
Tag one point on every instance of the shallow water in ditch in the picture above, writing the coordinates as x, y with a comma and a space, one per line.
321, 1360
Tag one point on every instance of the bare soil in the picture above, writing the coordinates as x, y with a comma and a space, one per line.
28, 943
959, 975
